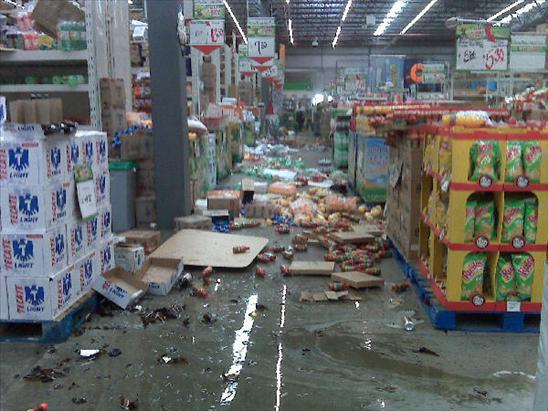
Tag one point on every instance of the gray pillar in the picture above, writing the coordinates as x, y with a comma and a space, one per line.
169, 112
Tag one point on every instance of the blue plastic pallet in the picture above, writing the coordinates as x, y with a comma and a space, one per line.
48, 332
444, 319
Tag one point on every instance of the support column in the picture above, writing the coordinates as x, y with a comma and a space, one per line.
169, 113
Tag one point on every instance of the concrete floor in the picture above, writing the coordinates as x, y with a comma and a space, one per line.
300, 356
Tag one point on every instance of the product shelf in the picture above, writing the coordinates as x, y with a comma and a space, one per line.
43, 56
43, 88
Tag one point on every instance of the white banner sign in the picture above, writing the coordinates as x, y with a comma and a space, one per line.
528, 52
244, 65
261, 47
207, 32
483, 55
271, 72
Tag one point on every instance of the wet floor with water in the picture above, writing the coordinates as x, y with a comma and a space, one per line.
266, 350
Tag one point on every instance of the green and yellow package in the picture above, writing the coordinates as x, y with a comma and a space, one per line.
514, 164
469, 221
485, 159
524, 267
530, 220
472, 275
512, 221
505, 278
484, 221
532, 160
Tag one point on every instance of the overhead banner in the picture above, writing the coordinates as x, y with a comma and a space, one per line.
245, 66
207, 28
261, 32
528, 52
482, 47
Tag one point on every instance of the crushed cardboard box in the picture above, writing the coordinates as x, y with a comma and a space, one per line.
161, 274
120, 287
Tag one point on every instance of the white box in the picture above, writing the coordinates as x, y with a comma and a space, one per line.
33, 162
41, 298
102, 186
35, 255
4, 312
101, 149
161, 274
77, 240
105, 222
88, 148
36, 208
92, 232
106, 256
87, 269
129, 256
120, 287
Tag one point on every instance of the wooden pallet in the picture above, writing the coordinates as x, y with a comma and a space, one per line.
49, 332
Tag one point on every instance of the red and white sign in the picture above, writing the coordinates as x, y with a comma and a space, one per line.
207, 35
261, 49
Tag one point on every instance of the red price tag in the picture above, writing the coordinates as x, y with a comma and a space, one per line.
494, 56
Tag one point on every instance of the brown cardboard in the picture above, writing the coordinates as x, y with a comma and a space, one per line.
113, 94
196, 222
136, 146
113, 120
145, 210
161, 274
323, 268
224, 200
48, 13
149, 239
358, 280
145, 177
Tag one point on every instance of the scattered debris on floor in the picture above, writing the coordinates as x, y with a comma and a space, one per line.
170, 360
79, 400
424, 350
161, 314
127, 404
44, 374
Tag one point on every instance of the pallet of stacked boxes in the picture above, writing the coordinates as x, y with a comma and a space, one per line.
50, 256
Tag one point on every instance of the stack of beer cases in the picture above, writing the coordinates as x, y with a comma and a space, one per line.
50, 256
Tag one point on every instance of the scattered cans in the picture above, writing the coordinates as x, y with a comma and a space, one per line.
260, 272
240, 249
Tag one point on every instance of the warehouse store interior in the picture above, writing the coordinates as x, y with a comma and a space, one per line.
273, 204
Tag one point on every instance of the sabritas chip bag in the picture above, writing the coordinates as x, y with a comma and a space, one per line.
472, 275
524, 267
485, 156
532, 160
530, 220
484, 222
505, 279
512, 222
444, 156
469, 221
514, 165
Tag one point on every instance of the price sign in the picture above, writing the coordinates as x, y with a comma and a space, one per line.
528, 52
262, 47
244, 65
513, 306
207, 32
262, 41
85, 190
209, 10
481, 47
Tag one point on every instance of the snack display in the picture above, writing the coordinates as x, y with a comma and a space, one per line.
530, 220
484, 221
472, 275
505, 278
532, 160
514, 164
444, 156
485, 160
470, 220
512, 221
524, 267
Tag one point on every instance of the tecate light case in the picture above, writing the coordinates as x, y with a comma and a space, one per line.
93, 232
105, 220
77, 240
102, 186
88, 269
106, 256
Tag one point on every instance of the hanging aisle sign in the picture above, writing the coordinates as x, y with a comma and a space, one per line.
482, 47
528, 52
207, 28
244, 63
261, 32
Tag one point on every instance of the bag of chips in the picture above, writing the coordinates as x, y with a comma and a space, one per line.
524, 267
469, 221
514, 165
532, 160
530, 220
505, 279
444, 156
484, 221
512, 222
472, 274
485, 157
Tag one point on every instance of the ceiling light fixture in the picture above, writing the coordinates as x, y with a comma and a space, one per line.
394, 12
505, 10
235, 20
290, 28
525, 9
343, 18
419, 16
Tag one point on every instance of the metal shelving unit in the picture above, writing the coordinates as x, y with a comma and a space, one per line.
43, 56
43, 88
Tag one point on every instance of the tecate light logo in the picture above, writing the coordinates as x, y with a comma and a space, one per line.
93, 227
88, 147
102, 184
101, 150
28, 207
18, 162
74, 153
67, 284
106, 219
107, 256
88, 269
30, 297
78, 236
23, 253
55, 154
59, 244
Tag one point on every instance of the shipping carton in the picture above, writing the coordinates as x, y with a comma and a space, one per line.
102, 186
130, 257
106, 256
4, 312
77, 240
224, 200
145, 210
193, 222
113, 120
149, 239
105, 222
120, 287
35, 255
101, 150
36, 208
87, 270
138, 145
145, 178
33, 162
161, 274
41, 298
92, 232
113, 93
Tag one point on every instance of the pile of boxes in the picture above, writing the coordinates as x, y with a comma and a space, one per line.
403, 197
113, 105
50, 256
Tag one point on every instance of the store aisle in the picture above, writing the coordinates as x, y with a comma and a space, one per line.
251, 345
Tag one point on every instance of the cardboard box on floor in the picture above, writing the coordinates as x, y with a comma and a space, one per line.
161, 274
120, 287
149, 239
130, 257
224, 200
